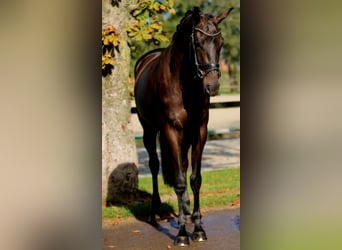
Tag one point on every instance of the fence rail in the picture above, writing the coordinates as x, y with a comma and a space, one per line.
214, 105
212, 133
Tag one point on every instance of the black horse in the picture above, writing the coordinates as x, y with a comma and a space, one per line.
172, 93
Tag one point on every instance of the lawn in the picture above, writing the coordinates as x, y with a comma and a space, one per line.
219, 188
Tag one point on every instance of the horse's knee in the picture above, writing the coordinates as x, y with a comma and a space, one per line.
195, 177
178, 119
180, 188
180, 185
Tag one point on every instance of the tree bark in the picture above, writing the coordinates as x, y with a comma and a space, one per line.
118, 144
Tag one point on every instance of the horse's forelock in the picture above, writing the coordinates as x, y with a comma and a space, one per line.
196, 12
191, 16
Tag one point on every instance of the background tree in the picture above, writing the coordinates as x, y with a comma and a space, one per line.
123, 20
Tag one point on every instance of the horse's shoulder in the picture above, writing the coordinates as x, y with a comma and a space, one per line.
152, 53
148, 58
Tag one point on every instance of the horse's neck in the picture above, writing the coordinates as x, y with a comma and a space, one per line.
176, 61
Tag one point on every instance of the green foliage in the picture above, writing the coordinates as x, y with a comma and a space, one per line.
147, 26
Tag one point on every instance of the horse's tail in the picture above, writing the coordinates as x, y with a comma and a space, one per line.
167, 162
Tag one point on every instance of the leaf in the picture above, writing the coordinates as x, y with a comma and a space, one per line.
110, 38
147, 36
171, 11
132, 33
171, 3
161, 38
156, 6
156, 26
136, 12
116, 41
105, 40
139, 37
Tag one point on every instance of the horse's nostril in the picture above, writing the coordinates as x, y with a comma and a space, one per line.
212, 89
213, 86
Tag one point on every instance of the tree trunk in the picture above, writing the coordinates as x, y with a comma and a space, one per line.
118, 144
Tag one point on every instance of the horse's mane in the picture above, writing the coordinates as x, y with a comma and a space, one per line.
195, 12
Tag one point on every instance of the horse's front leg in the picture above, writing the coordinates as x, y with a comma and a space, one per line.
196, 182
185, 150
172, 137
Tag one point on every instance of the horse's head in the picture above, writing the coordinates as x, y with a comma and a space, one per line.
206, 43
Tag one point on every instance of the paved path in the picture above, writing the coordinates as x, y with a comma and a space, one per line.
217, 154
222, 228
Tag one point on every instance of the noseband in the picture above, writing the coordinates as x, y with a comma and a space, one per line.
202, 69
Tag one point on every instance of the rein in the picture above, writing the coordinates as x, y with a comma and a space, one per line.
202, 69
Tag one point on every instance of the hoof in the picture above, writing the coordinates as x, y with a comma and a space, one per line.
188, 219
199, 236
182, 241
152, 220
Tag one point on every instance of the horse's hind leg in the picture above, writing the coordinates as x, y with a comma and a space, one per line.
150, 145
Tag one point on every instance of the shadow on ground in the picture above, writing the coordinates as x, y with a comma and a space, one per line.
138, 202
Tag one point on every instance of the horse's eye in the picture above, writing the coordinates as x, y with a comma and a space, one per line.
197, 44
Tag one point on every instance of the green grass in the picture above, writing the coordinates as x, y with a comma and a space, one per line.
219, 188
226, 91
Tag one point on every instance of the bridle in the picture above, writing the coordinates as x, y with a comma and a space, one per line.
202, 69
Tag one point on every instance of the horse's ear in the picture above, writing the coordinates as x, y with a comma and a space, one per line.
219, 18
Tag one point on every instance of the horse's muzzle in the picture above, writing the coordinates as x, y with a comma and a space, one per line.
212, 89
211, 82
